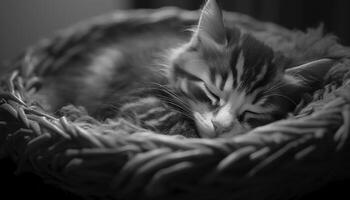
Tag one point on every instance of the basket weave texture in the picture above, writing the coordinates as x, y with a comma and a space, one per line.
120, 160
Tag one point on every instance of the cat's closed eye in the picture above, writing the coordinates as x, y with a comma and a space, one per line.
200, 92
254, 119
215, 98
246, 115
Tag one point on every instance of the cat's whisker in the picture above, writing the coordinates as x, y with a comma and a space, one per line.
182, 106
181, 101
169, 92
174, 97
274, 87
181, 110
168, 99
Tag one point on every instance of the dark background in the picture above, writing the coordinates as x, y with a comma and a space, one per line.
294, 14
23, 23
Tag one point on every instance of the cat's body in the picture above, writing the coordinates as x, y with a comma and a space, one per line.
223, 79
108, 75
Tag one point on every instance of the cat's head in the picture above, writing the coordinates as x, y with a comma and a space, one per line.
227, 79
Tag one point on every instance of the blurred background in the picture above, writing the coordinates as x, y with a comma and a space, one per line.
25, 22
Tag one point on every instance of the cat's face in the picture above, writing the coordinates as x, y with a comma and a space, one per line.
225, 77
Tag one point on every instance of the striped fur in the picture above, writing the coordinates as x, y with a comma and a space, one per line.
228, 83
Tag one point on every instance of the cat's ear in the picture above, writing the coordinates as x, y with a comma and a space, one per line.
314, 72
211, 25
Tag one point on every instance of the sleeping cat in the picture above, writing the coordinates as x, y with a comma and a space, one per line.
222, 78
230, 81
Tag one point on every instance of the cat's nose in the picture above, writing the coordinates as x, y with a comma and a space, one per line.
221, 127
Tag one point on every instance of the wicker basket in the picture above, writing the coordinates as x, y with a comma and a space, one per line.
281, 160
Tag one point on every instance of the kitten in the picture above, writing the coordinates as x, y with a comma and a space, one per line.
229, 81
223, 79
